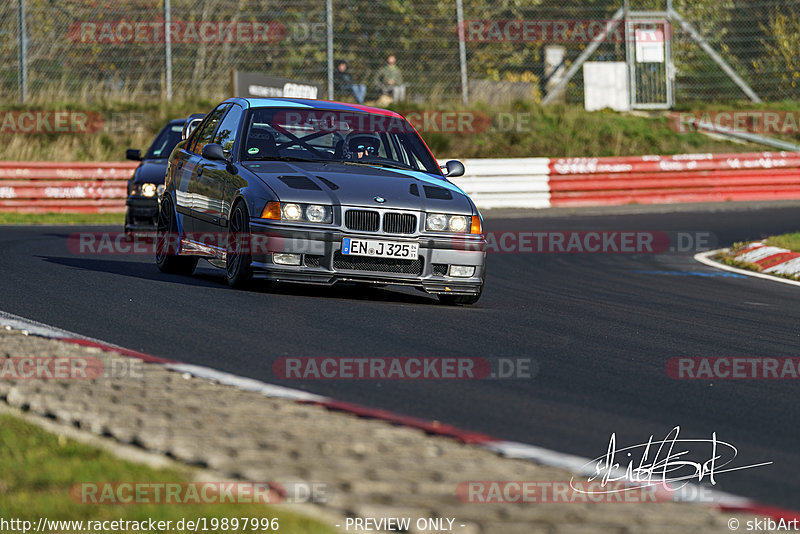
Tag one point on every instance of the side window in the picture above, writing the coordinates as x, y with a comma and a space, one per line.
229, 128
206, 130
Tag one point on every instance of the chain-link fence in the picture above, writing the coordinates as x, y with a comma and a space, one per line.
82, 50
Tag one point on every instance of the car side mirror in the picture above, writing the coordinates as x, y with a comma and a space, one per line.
133, 153
213, 151
454, 168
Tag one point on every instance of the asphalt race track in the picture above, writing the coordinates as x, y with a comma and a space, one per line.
600, 327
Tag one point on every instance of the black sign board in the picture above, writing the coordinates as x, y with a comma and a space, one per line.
257, 85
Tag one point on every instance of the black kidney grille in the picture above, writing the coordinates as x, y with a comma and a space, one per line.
399, 223
381, 265
362, 220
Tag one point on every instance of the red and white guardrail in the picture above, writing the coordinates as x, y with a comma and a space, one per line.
492, 183
570, 182
82, 187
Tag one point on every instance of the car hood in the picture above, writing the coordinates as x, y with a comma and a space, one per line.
359, 185
150, 171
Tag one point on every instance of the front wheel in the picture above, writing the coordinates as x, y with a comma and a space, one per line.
167, 240
237, 252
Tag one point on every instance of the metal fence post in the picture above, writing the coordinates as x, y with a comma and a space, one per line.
167, 50
462, 51
23, 54
329, 9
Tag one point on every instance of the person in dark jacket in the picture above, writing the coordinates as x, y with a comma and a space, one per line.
343, 82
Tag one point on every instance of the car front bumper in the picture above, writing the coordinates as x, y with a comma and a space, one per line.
141, 214
323, 263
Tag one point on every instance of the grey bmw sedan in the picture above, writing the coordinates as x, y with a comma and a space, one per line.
319, 192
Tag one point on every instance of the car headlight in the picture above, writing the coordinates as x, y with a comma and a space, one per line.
457, 223
436, 222
316, 213
149, 190
291, 211
441, 222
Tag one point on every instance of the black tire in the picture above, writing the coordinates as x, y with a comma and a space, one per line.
167, 240
237, 265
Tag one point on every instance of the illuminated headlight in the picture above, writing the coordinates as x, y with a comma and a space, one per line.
457, 223
149, 190
315, 213
462, 271
440, 222
292, 212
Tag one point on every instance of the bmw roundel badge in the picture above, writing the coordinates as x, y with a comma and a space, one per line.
379, 200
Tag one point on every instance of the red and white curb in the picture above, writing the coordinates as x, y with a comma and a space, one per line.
721, 501
772, 260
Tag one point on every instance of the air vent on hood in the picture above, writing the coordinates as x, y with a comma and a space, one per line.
414, 190
299, 182
328, 183
439, 193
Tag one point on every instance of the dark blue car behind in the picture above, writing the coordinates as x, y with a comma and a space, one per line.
147, 182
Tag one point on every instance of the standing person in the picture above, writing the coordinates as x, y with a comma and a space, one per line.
389, 80
342, 82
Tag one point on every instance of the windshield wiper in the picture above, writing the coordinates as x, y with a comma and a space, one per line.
393, 165
286, 158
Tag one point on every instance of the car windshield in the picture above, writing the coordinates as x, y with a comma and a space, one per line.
355, 138
165, 142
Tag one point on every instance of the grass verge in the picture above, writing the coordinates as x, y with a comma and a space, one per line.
39, 468
523, 128
790, 241
13, 218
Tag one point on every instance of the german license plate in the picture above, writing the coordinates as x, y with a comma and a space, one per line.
380, 249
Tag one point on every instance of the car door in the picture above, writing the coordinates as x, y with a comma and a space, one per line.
214, 179
200, 191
